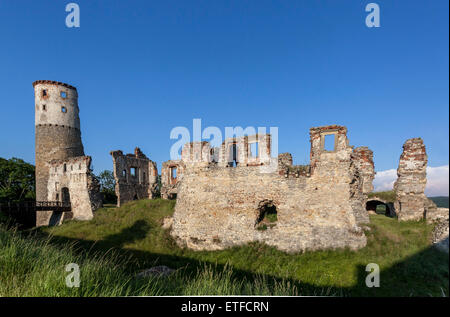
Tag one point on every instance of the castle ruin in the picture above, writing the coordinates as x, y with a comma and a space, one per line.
171, 172
135, 175
63, 172
230, 196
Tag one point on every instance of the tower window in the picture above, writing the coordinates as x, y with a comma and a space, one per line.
63, 94
44, 107
173, 172
254, 149
329, 143
65, 168
44, 93
64, 109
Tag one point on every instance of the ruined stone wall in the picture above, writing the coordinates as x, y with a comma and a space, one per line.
57, 128
362, 159
219, 207
284, 160
412, 178
140, 185
245, 155
169, 181
72, 181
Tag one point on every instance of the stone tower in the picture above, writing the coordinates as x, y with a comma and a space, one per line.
57, 123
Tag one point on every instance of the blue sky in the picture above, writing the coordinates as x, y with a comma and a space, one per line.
144, 67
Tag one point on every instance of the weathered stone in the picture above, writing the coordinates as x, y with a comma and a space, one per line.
59, 145
221, 203
440, 237
171, 173
72, 181
135, 176
158, 271
411, 201
167, 222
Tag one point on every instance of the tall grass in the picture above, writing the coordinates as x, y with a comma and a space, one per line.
33, 266
119, 242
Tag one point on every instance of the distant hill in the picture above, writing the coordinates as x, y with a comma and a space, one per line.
440, 201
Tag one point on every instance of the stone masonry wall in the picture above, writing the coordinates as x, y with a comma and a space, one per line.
412, 178
169, 181
72, 181
219, 207
140, 185
57, 125
362, 158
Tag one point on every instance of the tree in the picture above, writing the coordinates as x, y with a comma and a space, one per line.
107, 187
17, 180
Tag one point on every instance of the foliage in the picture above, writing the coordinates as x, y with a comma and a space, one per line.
17, 180
107, 184
409, 265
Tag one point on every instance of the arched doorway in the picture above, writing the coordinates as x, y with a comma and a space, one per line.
377, 206
65, 196
267, 216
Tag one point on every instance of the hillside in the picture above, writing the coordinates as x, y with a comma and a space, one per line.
389, 196
440, 201
409, 266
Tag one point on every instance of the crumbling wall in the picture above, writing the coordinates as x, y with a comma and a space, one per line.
135, 176
411, 201
362, 158
72, 181
219, 206
171, 174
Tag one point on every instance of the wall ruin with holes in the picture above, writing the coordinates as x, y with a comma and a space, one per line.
58, 144
170, 179
318, 206
140, 185
72, 181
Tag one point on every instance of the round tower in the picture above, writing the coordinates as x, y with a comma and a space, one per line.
57, 125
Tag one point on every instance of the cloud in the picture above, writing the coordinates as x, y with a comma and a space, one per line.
384, 180
437, 180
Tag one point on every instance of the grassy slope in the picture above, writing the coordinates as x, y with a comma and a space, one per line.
409, 267
388, 196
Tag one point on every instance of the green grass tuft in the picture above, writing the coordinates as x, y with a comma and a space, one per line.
388, 196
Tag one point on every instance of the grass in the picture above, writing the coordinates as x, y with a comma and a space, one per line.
388, 196
119, 242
